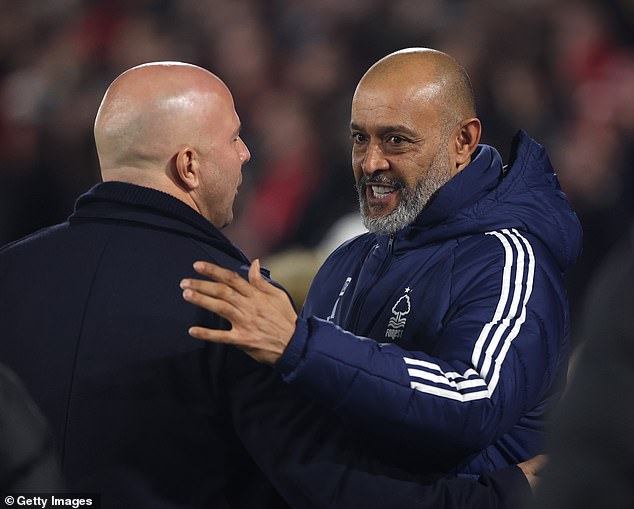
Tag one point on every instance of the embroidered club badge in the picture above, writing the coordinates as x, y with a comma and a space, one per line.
396, 325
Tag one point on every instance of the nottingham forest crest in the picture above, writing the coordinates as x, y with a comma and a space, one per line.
396, 325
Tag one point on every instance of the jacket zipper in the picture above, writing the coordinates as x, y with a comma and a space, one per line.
358, 304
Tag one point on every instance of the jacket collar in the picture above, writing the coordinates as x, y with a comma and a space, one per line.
488, 196
120, 201
464, 190
480, 177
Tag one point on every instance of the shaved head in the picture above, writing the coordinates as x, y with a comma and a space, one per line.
151, 110
438, 78
413, 128
173, 127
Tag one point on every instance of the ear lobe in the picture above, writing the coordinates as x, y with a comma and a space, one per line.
466, 141
187, 168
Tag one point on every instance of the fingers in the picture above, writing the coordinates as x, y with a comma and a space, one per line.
212, 289
223, 275
532, 469
261, 315
224, 308
235, 281
256, 279
255, 276
535, 465
228, 338
213, 335
215, 297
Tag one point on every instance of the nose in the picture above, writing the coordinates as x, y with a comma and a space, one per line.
245, 154
374, 160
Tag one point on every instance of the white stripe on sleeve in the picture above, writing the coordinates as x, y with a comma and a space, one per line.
498, 331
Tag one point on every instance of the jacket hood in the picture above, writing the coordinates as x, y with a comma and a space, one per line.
487, 196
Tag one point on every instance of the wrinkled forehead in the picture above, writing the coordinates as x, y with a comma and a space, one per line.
387, 102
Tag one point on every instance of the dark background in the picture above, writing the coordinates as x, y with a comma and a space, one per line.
562, 70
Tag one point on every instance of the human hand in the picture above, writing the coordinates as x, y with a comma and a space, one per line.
261, 315
532, 469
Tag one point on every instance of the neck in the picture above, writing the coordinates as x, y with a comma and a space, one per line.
152, 180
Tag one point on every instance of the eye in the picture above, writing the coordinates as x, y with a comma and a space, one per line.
396, 140
358, 138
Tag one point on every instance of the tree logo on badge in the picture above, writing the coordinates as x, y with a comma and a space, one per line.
397, 321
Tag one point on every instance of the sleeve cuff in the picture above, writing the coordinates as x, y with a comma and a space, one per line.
511, 485
290, 359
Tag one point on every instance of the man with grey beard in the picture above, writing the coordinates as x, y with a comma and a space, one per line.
412, 202
443, 333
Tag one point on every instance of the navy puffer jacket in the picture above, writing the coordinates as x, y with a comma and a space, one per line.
450, 337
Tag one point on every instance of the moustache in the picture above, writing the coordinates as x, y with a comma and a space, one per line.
379, 179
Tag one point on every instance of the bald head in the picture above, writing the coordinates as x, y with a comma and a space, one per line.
413, 128
152, 110
173, 127
432, 75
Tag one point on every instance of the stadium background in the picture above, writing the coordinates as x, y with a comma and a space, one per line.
562, 70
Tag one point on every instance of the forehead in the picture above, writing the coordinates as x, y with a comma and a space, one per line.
375, 105
220, 109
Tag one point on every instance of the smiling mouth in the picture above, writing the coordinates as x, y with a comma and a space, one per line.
381, 199
380, 191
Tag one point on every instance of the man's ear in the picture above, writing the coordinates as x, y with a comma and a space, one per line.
465, 139
187, 165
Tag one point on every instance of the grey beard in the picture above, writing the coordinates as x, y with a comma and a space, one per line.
412, 201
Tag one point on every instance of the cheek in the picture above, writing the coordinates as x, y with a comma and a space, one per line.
414, 167
357, 173
414, 178
231, 163
357, 161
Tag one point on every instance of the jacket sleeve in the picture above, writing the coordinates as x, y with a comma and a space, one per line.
499, 349
314, 462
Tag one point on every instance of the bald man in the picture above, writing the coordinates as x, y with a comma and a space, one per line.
153, 131
92, 320
143, 415
443, 332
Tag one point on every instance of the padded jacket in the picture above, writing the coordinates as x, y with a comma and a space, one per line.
93, 322
451, 336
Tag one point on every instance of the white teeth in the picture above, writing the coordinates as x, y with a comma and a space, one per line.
380, 191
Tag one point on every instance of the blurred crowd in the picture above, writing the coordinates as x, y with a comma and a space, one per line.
561, 70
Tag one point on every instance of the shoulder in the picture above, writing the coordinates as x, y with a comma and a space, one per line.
502, 247
31, 250
505, 257
514, 271
43, 234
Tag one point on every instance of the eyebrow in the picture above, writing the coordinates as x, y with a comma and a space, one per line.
399, 128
